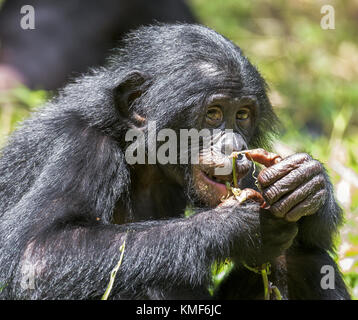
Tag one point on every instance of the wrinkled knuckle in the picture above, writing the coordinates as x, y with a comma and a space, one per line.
316, 165
279, 209
276, 211
305, 156
263, 177
321, 180
299, 171
316, 184
271, 193
298, 158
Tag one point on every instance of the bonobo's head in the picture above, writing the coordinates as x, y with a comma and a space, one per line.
190, 77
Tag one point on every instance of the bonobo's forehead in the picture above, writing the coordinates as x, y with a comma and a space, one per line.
220, 61
181, 49
208, 69
239, 80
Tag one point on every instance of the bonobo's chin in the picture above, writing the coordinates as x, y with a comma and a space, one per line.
208, 189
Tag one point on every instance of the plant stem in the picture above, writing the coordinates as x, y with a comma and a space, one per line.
114, 272
234, 172
265, 281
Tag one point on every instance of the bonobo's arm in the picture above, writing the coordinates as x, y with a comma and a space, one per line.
298, 189
69, 247
75, 256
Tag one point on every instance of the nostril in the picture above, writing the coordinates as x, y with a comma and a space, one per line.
240, 157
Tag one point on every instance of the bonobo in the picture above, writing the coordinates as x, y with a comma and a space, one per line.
69, 198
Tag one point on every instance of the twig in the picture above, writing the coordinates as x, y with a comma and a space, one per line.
234, 171
277, 292
265, 281
114, 272
269, 288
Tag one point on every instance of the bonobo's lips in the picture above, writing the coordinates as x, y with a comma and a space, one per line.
212, 188
218, 182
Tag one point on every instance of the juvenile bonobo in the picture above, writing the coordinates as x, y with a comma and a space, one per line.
69, 198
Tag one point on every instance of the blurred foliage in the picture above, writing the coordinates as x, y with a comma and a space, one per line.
313, 76
15, 105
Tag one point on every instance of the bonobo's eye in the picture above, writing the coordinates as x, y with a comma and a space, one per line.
214, 116
243, 114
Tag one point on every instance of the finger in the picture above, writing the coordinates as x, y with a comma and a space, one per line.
307, 207
269, 175
291, 181
229, 202
250, 194
284, 205
263, 157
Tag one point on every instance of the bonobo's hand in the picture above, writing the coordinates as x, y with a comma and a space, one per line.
260, 236
294, 187
277, 235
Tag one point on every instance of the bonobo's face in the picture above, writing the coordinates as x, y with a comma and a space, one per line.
225, 112
196, 80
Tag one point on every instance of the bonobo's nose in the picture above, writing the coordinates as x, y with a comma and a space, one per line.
240, 157
243, 165
228, 147
232, 142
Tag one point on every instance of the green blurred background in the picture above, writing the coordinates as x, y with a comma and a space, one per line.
313, 79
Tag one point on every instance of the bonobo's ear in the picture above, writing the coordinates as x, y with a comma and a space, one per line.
127, 91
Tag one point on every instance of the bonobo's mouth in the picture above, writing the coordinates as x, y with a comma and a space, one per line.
210, 187
218, 182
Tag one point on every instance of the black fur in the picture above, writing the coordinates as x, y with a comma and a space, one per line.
64, 182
